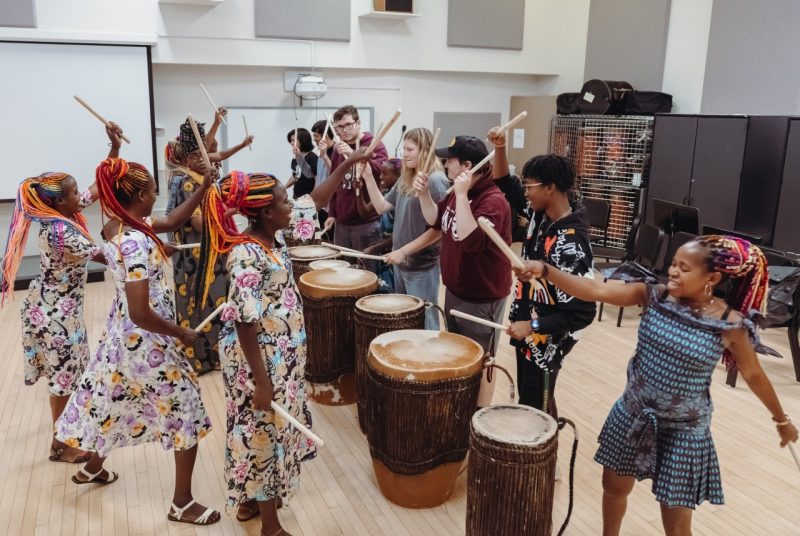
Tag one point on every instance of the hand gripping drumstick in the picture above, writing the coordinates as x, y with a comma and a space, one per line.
794, 454
285, 415
97, 115
488, 228
199, 140
477, 320
208, 95
512, 123
246, 133
477, 168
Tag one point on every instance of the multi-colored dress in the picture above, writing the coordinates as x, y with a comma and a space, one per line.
138, 388
204, 353
304, 223
660, 427
53, 331
263, 452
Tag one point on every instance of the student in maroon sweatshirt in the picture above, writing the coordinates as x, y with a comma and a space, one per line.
476, 274
352, 230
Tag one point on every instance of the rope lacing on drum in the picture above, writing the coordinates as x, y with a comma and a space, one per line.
489, 364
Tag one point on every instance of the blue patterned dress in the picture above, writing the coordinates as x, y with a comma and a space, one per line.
660, 427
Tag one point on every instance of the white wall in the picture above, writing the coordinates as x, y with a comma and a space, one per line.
685, 60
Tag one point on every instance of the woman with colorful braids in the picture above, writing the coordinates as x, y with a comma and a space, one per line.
262, 344
660, 427
139, 388
53, 331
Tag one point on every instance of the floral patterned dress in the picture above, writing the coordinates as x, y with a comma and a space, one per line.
263, 452
204, 353
304, 223
138, 388
53, 332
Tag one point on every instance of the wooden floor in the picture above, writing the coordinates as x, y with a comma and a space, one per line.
338, 495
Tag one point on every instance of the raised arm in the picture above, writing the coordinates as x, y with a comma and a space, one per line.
224, 154
430, 211
465, 220
183, 212
585, 288
322, 194
500, 162
379, 203
211, 135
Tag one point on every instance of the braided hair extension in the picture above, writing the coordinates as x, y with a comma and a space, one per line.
117, 182
36, 199
550, 169
248, 194
746, 266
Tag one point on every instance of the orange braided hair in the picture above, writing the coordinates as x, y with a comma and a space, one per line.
746, 265
247, 194
117, 182
35, 199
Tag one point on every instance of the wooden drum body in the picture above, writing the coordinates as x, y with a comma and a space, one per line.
375, 315
422, 388
511, 472
303, 256
329, 298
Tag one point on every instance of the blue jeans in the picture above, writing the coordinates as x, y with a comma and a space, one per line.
423, 284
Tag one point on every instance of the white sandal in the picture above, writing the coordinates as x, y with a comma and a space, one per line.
202, 520
92, 478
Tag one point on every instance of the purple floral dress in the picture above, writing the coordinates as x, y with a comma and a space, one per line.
138, 388
53, 332
263, 452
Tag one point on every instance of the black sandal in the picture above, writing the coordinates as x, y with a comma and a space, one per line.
56, 456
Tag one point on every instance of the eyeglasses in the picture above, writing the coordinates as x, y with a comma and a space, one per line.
344, 126
532, 184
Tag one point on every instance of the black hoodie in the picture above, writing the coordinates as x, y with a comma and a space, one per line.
563, 244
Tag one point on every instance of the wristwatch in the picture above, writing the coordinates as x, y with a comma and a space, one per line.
535, 324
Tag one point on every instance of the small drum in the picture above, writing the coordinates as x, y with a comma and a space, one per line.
422, 388
303, 256
375, 315
511, 472
328, 263
329, 298
603, 97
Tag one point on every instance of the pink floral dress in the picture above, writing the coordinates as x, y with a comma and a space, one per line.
138, 388
53, 331
263, 452
304, 223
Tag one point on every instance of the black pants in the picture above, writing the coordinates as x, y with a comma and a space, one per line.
530, 384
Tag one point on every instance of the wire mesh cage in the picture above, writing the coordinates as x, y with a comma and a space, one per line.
611, 156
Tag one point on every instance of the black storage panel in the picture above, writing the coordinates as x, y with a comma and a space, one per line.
787, 227
672, 160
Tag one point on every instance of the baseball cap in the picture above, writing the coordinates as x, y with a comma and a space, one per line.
465, 148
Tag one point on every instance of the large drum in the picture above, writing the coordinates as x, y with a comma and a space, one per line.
328, 263
303, 256
511, 472
422, 388
329, 298
375, 315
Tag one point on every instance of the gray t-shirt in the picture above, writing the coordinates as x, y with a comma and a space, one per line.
409, 222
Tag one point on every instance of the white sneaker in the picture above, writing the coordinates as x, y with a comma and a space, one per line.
558, 473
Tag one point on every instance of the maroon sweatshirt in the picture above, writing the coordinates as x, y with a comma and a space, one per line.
474, 269
343, 203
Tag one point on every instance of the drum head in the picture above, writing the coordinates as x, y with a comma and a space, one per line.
389, 303
517, 425
595, 97
420, 354
310, 253
328, 263
337, 282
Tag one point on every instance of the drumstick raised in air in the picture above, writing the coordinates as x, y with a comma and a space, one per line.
336, 138
246, 133
186, 246
208, 95
358, 146
97, 115
519, 117
477, 168
297, 424
490, 231
477, 320
201, 144
377, 139
210, 317
428, 164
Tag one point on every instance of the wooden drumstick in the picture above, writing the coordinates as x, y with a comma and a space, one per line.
208, 95
246, 133
512, 123
355, 168
377, 139
794, 454
490, 231
359, 255
431, 152
340, 248
210, 317
97, 115
336, 138
477, 168
294, 422
201, 144
477, 320
186, 246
